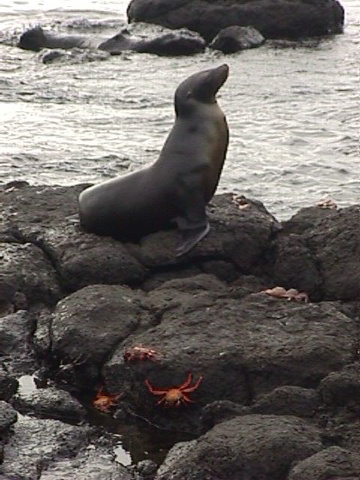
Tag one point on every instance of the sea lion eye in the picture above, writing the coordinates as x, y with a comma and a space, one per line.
189, 94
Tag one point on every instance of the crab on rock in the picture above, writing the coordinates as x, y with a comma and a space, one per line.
104, 402
174, 396
140, 352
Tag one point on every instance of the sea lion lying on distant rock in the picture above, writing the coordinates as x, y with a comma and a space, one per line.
178, 186
181, 42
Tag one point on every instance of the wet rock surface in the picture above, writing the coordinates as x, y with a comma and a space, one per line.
273, 19
232, 39
252, 446
334, 462
269, 386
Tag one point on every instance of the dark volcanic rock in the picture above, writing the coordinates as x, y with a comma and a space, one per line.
83, 259
8, 384
37, 443
307, 218
296, 267
252, 446
335, 244
242, 348
273, 18
333, 463
240, 234
232, 39
88, 324
48, 218
343, 387
16, 350
288, 400
50, 403
93, 463
220, 411
320, 258
8, 416
25, 270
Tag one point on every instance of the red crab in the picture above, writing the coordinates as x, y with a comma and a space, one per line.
174, 396
104, 402
140, 352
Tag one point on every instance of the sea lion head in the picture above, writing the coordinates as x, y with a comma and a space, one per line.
200, 87
33, 39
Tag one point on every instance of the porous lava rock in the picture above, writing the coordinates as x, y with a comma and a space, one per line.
251, 446
321, 256
88, 325
273, 18
242, 347
50, 402
334, 462
343, 387
277, 374
36, 443
8, 384
16, 350
233, 39
288, 400
8, 416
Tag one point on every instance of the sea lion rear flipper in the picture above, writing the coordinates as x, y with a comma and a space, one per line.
193, 227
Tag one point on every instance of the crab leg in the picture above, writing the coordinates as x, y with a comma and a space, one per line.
155, 391
191, 389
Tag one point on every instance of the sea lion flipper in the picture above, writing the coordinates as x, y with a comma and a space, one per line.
193, 227
190, 237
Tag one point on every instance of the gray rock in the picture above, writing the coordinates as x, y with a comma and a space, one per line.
242, 348
288, 400
88, 324
333, 463
8, 416
48, 218
25, 270
251, 446
320, 259
296, 266
233, 39
273, 18
8, 384
335, 244
50, 403
239, 235
343, 387
16, 349
221, 411
93, 463
306, 219
35, 444
84, 259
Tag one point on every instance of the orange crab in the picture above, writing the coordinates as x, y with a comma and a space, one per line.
174, 396
140, 352
104, 402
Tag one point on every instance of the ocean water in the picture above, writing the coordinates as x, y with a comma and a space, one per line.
293, 110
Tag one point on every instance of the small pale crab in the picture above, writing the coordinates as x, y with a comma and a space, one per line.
175, 396
291, 294
327, 203
141, 352
104, 402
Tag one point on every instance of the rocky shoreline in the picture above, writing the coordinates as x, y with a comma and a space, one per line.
280, 389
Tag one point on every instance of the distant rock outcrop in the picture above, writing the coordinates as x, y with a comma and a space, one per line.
272, 18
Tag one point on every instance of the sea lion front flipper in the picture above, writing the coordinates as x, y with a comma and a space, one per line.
193, 227
190, 237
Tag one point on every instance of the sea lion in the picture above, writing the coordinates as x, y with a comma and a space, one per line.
181, 42
178, 186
